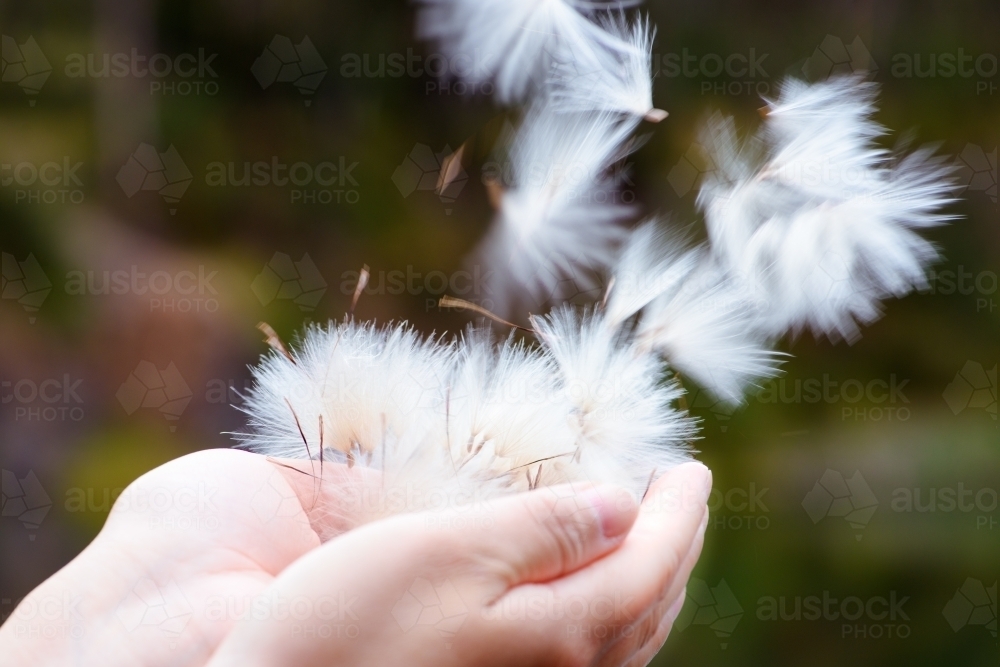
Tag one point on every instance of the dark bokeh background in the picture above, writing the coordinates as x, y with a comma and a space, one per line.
806, 462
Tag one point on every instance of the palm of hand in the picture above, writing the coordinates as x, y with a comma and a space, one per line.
186, 549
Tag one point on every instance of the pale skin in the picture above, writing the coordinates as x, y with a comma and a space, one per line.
215, 559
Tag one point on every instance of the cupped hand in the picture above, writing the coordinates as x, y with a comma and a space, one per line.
216, 559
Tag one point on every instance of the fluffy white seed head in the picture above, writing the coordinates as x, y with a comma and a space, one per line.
560, 217
652, 261
705, 329
620, 81
816, 220
810, 224
690, 312
505, 406
623, 420
349, 388
513, 43
422, 423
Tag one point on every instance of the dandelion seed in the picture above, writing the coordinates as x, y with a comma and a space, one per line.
651, 262
810, 225
511, 43
561, 216
619, 82
622, 415
817, 219
705, 330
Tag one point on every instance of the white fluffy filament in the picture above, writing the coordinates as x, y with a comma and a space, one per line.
810, 225
817, 221
620, 82
421, 418
561, 216
513, 43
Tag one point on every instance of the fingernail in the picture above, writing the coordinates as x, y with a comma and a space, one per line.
615, 507
675, 609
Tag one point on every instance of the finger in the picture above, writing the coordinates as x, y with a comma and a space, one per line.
547, 533
620, 589
350, 584
656, 555
383, 567
654, 631
635, 635
328, 492
528, 537
648, 651
679, 583
218, 497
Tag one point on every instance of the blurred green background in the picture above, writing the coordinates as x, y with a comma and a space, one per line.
881, 485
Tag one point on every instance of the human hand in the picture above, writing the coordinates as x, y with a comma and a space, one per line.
550, 577
235, 535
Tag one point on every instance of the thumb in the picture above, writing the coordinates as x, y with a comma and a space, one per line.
547, 533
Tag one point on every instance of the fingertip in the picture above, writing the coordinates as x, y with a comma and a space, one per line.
698, 475
689, 483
